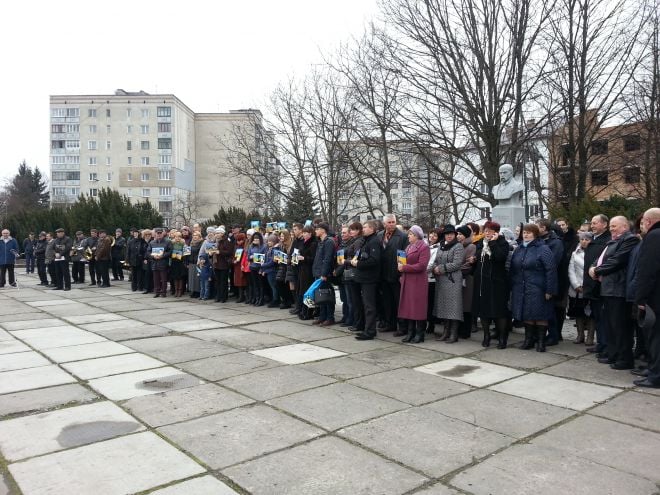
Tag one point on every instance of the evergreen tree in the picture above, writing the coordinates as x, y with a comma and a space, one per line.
303, 207
40, 188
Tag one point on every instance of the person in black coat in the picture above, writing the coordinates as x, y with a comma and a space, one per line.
647, 295
391, 240
324, 262
160, 252
368, 262
136, 248
560, 300
305, 261
349, 276
611, 269
591, 287
28, 250
40, 256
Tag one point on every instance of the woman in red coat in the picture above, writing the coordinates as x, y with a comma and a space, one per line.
413, 301
240, 277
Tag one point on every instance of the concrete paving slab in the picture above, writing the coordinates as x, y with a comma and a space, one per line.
178, 348
31, 378
44, 398
4, 485
94, 318
22, 360
111, 325
327, 466
184, 404
343, 368
518, 358
227, 438
502, 413
319, 405
113, 467
622, 447
85, 351
557, 391
192, 325
28, 324
151, 316
460, 348
5, 336
71, 310
426, 440
111, 365
57, 430
568, 348
31, 314
206, 485
12, 346
295, 330
438, 489
275, 382
138, 383
48, 338
221, 367
399, 357
546, 471
241, 339
130, 332
590, 370
348, 344
409, 386
243, 319
50, 302
632, 408
470, 371
298, 353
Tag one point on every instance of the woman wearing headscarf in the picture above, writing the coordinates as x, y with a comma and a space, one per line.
449, 284
464, 236
413, 300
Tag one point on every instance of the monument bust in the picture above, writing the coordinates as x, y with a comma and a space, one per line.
509, 191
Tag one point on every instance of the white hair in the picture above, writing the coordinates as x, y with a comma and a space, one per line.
390, 216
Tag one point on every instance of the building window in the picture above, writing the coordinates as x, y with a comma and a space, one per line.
144, 177
145, 113
485, 212
57, 112
108, 176
129, 160
164, 144
92, 129
57, 160
129, 129
165, 207
57, 128
72, 128
108, 161
91, 160
164, 127
146, 192
107, 112
164, 175
59, 191
91, 145
165, 191
93, 193
129, 177
91, 113
144, 129
566, 153
72, 145
483, 188
164, 112
129, 145
632, 143
66, 176
599, 147
128, 113
632, 175
73, 112
144, 145
165, 160
93, 176
599, 178
533, 211
57, 144
129, 192
75, 159
144, 160
108, 145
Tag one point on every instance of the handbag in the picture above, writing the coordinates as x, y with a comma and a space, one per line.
324, 294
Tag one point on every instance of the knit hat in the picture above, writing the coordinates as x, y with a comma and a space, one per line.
210, 230
221, 230
465, 230
250, 232
449, 229
417, 230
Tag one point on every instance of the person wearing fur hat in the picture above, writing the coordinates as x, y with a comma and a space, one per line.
449, 284
413, 299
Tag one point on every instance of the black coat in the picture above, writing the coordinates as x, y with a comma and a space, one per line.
135, 251
119, 249
591, 287
40, 249
615, 265
305, 277
648, 272
491, 283
369, 261
398, 242
324, 258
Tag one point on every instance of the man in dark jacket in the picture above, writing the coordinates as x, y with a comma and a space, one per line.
610, 268
590, 286
103, 255
648, 293
90, 246
78, 258
40, 256
160, 252
28, 249
554, 242
368, 264
62, 246
392, 240
136, 248
322, 268
118, 255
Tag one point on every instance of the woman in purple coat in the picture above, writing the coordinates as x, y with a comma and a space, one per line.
413, 301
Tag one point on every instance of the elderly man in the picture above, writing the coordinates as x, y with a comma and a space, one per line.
8, 254
610, 268
391, 240
103, 259
62, 247
647, 296
118, 252
91, 243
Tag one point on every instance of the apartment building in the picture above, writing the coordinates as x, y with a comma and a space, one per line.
147, 147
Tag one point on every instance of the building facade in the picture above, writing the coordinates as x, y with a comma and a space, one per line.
146, 147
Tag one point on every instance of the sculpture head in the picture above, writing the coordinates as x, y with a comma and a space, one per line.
506, 173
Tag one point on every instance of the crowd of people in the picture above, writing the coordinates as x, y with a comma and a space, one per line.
446, 282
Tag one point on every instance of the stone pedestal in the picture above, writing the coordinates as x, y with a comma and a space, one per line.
509, 216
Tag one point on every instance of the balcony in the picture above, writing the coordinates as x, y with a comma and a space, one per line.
57, 151
163, 119
164, 134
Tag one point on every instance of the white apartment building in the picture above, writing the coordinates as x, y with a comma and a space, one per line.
146, 147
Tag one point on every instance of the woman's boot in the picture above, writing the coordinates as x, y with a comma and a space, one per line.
419, 334
540, 337
528, 343
241, 294
580, 324
591, 330
445, 333
502, 325
453, 331
485, 324
411, 332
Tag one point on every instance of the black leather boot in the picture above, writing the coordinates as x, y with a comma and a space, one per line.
528, 343
420, 329
540, 338
453, 331
485, 324
411, 333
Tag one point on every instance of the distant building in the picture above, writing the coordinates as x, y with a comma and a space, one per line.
146, 147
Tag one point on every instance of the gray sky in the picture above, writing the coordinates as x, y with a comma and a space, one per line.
214, 55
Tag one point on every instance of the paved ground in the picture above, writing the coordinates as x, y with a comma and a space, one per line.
103, 391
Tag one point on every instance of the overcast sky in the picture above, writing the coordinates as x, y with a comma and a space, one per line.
214, 55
